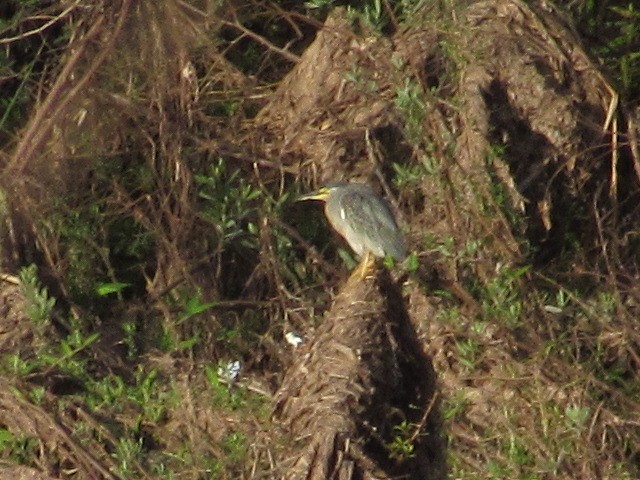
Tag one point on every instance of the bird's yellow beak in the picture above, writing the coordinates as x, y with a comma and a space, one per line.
321, 194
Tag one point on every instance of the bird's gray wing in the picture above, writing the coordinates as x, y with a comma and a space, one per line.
371, 217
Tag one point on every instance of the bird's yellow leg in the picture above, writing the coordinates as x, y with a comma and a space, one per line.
364, 267
368, 262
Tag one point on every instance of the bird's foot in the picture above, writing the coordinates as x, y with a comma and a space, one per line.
364, 269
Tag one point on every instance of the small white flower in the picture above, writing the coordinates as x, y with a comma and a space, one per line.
231, 371
293, 339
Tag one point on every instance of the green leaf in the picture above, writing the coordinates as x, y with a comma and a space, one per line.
105, 289
194, 306
5, 436
413, 262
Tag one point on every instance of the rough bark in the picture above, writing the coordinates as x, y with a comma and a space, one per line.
350, 388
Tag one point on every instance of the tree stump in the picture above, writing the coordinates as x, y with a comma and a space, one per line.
360, 400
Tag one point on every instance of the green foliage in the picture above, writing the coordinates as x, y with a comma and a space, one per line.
104, 289
38, 304
577, 417
223, 395
127, 454
130, 331
6, 437
37, 394
228, 204
613, 29
102, 248
85, 267
502, 297
294, 270
362, 80
389, 262
410, 103
519, 460
410, 176
402, 445
194, 306
150, 397
412, 262
468, 351
19, 448
97, 245
501, 197
454, 408
369, 14
380, 17
233, 397
235, 448
171, 341
65, 355
406, 10
348, 258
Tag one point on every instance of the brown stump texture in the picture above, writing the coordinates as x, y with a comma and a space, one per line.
362, 376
